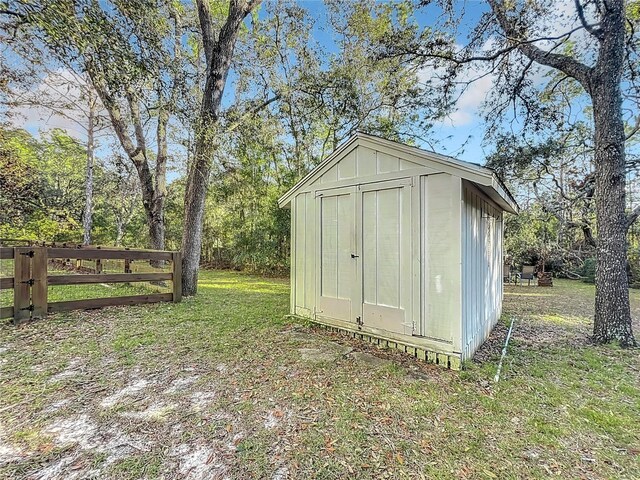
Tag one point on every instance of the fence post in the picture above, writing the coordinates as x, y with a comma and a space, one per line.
21, 287
176, 277
39, 289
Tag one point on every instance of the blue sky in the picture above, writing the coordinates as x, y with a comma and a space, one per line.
467, 129
462, 134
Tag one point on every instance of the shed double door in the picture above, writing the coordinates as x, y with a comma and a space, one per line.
365, 255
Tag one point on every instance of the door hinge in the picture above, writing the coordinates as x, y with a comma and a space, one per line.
359, 322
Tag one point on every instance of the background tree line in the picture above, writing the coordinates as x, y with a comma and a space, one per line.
43, 191
293, 101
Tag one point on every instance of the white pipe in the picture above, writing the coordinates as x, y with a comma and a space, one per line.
504, 350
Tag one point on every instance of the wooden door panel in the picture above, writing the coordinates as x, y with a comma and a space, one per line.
386, 253
337, 268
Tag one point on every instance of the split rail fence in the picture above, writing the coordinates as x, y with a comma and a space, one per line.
31, 278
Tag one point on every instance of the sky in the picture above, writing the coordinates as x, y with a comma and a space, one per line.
460, 134
462, 128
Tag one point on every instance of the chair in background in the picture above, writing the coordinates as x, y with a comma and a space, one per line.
528, 273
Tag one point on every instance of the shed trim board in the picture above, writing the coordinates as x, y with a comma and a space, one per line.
399, 244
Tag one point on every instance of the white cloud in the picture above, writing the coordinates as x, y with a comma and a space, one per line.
562, 18
61, 89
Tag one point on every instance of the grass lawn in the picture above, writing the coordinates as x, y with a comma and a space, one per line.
224, 385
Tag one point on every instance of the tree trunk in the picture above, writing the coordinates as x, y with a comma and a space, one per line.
153, 207
159, 192
612, 320
218, 54
87, 216
153, 193
119, 232
194, 200
156, 228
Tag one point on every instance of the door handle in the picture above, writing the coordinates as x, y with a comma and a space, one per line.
353, 255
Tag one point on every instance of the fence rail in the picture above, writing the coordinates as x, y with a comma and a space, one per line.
31, 279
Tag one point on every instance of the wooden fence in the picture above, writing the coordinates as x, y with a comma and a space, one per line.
31, 278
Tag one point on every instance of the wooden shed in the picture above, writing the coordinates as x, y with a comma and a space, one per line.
399, 246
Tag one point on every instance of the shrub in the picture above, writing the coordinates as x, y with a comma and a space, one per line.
588, 271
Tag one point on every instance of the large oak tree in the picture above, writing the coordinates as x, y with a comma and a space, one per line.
132, 53
521, 44
601, 80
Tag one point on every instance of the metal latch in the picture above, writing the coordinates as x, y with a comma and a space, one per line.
353, 255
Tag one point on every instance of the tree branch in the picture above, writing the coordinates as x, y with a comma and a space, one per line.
134, 107
252, 111
596, 32
633, 216
250, 5
113, 109
12, 14
206, 29
484, 58
570, 66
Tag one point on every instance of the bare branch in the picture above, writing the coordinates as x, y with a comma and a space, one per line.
633, 216
596, 32
566, 64
256, 109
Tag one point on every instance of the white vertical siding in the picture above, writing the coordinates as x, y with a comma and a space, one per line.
481, 268
363, 162
441, 254
304, 253
336, 230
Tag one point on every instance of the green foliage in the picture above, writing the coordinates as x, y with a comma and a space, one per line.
42, 186
588, 271
633, 10
532, 237
634, 266
42, 191
322, 98
18, 192
244, 227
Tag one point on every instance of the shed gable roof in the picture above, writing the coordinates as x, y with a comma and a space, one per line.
408, 158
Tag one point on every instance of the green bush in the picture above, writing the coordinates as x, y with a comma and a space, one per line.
588, 271
634, 268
